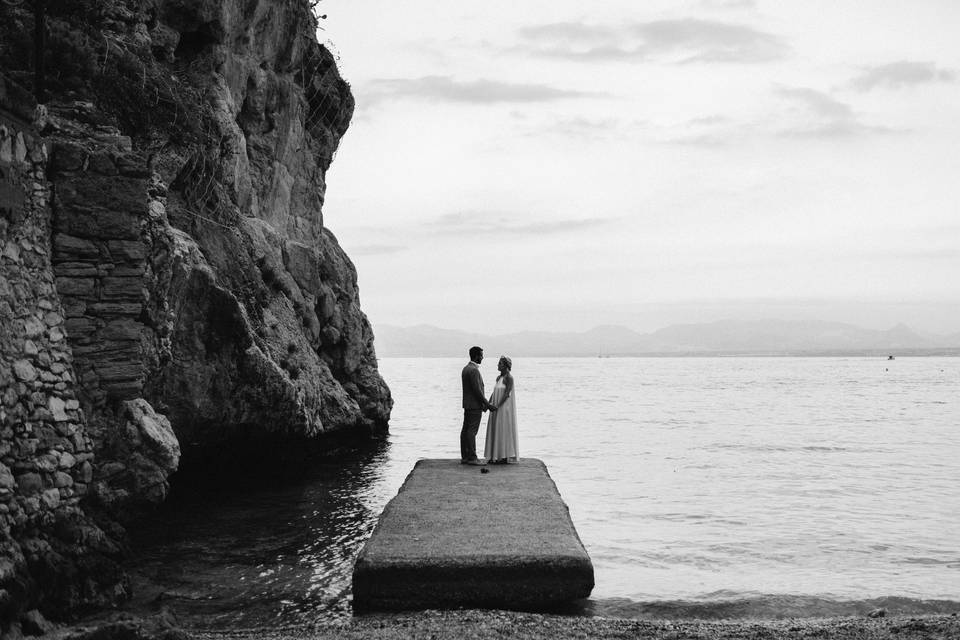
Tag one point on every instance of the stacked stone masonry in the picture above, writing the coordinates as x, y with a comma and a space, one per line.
63, 446
45, 454
99, 257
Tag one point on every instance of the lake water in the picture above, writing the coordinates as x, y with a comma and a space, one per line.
699, 486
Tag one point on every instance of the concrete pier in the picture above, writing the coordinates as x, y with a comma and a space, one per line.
456, 537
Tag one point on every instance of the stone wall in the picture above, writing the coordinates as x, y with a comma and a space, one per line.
99, 253
46, 455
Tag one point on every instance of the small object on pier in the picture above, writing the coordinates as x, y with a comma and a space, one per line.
504, 543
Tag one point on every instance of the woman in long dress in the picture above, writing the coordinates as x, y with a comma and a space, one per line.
501, 446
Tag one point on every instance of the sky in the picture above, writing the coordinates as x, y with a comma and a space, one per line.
558, 165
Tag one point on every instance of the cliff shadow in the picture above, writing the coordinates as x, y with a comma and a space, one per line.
237, 544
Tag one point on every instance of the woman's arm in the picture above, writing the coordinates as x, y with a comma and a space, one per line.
508, 383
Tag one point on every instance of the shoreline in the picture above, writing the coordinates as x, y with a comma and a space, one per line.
473, 623
888, 621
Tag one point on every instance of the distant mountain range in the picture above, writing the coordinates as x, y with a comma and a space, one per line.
725, 337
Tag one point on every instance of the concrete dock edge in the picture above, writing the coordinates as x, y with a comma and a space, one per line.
457, 537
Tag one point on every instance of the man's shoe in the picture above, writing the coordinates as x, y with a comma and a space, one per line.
477, 463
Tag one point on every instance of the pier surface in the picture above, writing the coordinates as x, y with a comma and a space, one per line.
456, 537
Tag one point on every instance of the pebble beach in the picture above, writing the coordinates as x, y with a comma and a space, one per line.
451, 625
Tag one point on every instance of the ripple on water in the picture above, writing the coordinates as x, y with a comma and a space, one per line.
701, 487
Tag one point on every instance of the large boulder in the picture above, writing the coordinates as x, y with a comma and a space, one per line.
135, 460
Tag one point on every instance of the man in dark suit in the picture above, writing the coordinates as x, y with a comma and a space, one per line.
474, 404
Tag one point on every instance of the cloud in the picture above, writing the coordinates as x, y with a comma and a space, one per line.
579, 127
820, 115
474, 91
804, 113
709, 120
376, 249
898, 75
683, 40
705, 140
728, 4
473, 223
819, 103
951, 254
706, 131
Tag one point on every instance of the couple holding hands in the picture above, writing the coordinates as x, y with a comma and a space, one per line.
501, 445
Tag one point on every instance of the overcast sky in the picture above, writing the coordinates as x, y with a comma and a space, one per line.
557, 165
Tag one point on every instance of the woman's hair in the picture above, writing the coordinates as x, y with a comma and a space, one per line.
508, 361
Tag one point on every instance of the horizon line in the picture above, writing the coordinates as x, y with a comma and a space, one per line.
895, 326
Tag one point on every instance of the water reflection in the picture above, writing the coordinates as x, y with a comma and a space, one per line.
698, 484
218, 557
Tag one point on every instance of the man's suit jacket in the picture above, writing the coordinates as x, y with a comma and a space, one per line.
473, 396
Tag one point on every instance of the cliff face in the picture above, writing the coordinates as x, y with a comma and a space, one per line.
218, 293
179, 289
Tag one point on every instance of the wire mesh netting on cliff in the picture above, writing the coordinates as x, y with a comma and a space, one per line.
156, 87
325, 115
321, 111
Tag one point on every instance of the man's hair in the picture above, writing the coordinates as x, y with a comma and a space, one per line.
475, 351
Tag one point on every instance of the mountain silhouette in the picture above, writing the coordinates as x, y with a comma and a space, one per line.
723, 337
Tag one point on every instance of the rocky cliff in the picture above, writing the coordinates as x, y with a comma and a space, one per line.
169, 286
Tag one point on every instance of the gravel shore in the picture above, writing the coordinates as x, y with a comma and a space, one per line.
453, 625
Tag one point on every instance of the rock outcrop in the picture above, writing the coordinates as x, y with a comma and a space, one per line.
169, 285
191, 252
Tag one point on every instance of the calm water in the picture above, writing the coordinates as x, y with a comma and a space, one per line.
699, 486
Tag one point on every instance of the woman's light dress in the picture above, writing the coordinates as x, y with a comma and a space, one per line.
502, 426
